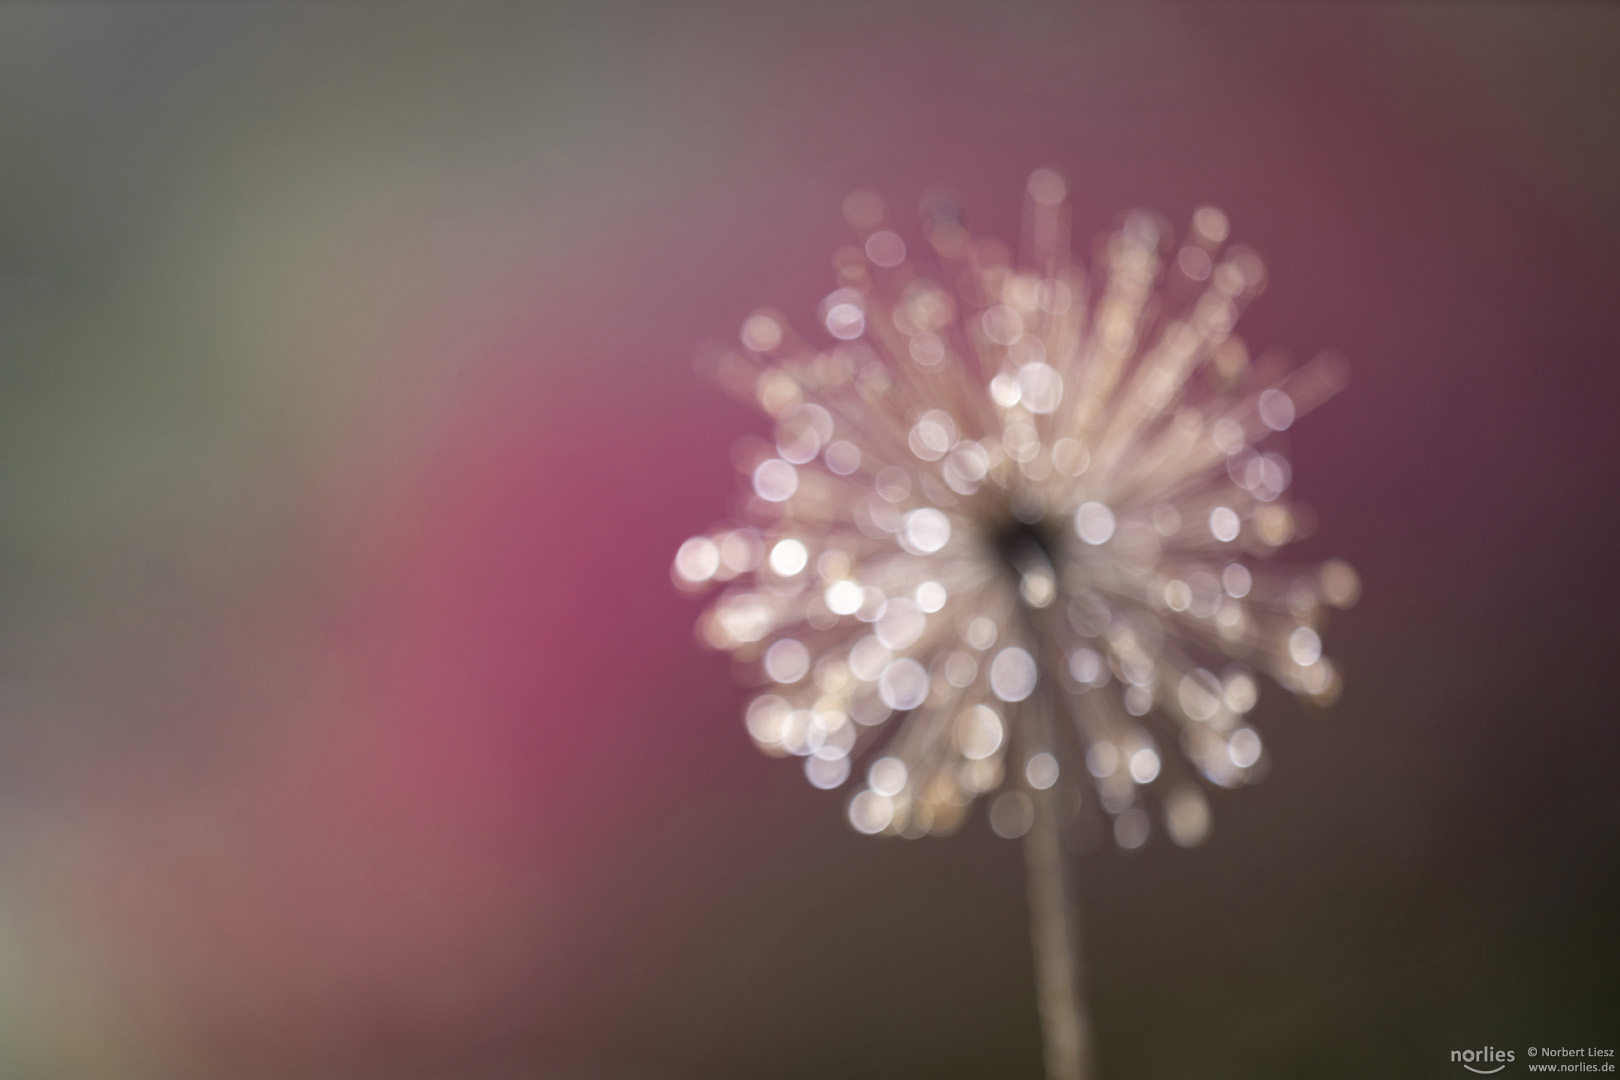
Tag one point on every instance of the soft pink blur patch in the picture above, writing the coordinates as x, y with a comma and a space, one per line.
481, 716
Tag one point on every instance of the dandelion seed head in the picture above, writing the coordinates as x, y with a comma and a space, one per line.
1004, 485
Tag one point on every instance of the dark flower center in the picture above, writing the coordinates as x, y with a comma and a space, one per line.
1020, 546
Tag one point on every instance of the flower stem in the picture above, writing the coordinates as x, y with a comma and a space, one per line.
1055, 930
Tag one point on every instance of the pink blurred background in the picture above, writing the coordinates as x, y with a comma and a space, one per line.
351, 725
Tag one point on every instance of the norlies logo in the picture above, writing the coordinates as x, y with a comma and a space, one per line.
1485, 1056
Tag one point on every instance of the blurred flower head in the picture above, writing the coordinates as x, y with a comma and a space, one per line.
1017, 524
